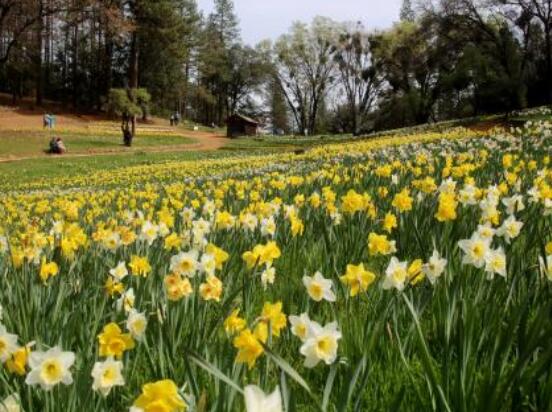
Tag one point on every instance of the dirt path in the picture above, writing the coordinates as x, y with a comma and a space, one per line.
205, 141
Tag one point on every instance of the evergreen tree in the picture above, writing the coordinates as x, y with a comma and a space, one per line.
219, 39
164, 30
407, 12
224, 23
278, 108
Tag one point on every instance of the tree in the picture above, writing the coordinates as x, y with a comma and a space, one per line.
407, 13
128, 104
248, 70
220, 39
17, 17
163, 34
305, 68
539, 11
475, 24
358, 76
224, 23
277, 107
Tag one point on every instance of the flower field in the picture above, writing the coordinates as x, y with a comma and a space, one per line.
407, 273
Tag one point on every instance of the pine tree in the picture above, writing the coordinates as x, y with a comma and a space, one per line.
224, 22
407, 12
278, 108
220, 36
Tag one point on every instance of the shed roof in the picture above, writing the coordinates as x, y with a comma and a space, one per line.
244, 118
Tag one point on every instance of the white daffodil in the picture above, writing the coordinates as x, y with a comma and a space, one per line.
396, 274
268, 276
201, 226
468, 195
447, 186
547, 207
50, 368
209, 208
185, 263
534, 194
513, 204
136, 324
112, 241
163, 230
3, 244
107, 374
11, 404
198, 240
57, 228
336, 218
289, 211
268, 227
249, 222
319, 288
188, 215
510, 229
321, 344
119, 272
435, 267
8, 344
208, 264
495, 262
257, 401
486, 232
126, 301
149, 232
475, 249
546, 266
300, 326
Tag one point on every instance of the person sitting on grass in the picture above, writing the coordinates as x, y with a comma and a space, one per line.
57, 146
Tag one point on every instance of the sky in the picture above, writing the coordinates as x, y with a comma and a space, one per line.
268, 19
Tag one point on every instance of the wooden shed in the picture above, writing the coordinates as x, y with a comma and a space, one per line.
240, 125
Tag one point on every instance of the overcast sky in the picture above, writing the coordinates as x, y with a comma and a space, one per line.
267, 19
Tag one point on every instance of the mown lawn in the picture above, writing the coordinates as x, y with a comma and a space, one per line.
35, 143
27, 170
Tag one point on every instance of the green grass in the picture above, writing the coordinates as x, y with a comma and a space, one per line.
24, 171
34, 143
285, 142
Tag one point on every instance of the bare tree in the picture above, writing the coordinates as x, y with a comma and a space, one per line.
306, 69
357, 74
17, 17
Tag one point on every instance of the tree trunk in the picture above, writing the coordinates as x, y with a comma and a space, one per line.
548, 39
39, 46
133, 74
75, 65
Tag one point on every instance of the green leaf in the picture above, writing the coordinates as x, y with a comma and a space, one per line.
213, 370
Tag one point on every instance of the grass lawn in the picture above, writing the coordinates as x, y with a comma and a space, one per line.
285, 142
28, 170
34, 143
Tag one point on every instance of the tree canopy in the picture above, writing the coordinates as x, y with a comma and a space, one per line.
442, 59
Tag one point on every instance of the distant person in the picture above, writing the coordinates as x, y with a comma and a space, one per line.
172, 119
127, 137
49, 121
57, 146
176, 118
